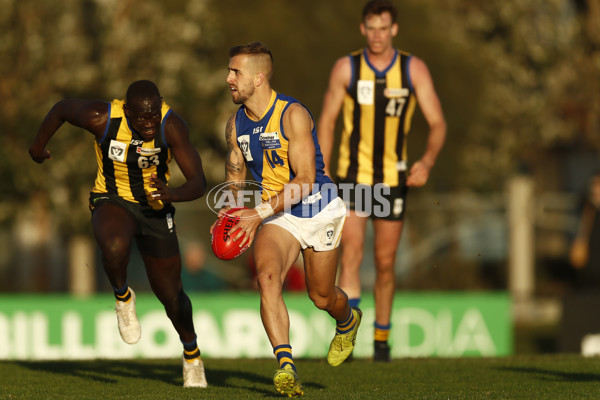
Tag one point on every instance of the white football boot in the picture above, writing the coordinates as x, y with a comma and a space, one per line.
193, 374
129, 326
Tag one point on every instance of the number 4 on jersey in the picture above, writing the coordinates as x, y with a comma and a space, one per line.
274, 159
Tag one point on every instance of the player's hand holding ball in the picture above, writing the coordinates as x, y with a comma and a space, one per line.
223, 244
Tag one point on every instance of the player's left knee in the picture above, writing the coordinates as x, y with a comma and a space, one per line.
322, 302
385, 263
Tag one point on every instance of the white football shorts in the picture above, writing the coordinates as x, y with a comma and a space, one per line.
322, 232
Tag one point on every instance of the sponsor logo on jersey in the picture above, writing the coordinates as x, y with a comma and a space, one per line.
269, 140
144, 151
391, 93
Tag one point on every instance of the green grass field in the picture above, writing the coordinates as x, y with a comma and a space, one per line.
518, 377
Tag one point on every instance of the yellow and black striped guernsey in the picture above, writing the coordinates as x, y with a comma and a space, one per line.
377, 112
126, 161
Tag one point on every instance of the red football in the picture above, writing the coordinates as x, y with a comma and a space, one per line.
222, 243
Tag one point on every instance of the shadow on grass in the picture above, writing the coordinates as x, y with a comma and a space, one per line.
108, 371
550, 375
168, 372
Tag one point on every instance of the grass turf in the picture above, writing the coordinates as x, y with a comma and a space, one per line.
517, 377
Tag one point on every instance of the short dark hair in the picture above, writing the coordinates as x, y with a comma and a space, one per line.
143, 89
254, 48
378, 7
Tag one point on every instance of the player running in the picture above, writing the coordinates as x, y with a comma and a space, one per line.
275, 137
135, 140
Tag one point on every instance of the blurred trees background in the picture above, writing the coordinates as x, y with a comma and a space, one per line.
519, 83
540, 64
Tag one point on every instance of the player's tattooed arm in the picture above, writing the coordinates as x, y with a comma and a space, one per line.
235, 167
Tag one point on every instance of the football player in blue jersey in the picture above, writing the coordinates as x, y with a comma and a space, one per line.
274, 136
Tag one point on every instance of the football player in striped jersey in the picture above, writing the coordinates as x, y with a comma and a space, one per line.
377, 89
135, 140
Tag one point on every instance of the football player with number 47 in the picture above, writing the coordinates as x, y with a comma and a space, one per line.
378, 87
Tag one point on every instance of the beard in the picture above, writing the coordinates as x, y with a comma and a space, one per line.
242, 94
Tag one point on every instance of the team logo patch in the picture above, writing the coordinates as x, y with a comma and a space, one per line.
117, 151
170, 223
366, 92
327, 235
244, 143
398, 207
